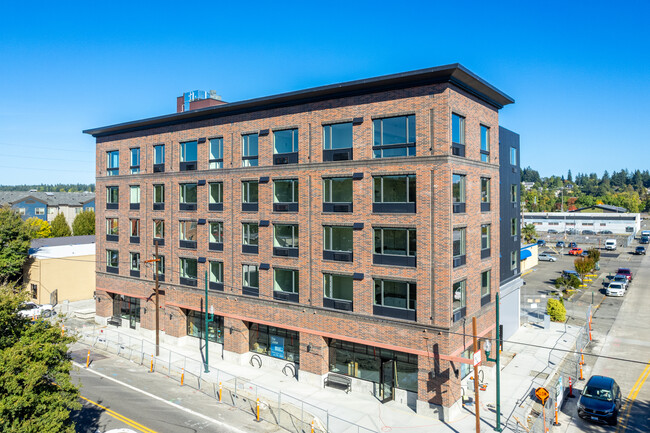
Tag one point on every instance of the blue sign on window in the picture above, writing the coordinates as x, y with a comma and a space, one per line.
277, 346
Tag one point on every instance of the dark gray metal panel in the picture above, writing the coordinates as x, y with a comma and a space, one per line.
508, 175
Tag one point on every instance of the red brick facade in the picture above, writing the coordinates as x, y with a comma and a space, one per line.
428, 336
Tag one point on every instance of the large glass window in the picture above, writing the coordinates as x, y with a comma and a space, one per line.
160, 265
457, 134
112, 258
396, 242
216, 192
188, 151
275, 342
459, 242
458, 192
513, 193
188, 193
395, 294
129, 308
338, 238
135, 261
159, 154
216, 153
485, 143
196, 326
285, 141
250, 276
285, 191
285, 235
158, 229
394, 189
249, 150
135, 160
485, 190
112, 227
187, 231
485, 284
158, 194
216, 231
113, 163
338, 286
394, 136
250, 233
135, 227
249, 191
112, 194
134, 194
216, 272
337, 190
513, 156
485, 236
188, 268
458, 291
337, 136
285, 280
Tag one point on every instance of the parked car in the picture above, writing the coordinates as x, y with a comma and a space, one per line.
588, 232
541, 242
615, 289
620, 278
551, 231
585, 254
568, 273
610, 244
546, 257
600, 400
572, 231
639, 250
605, 232
559, 244
645, 239
33, 310
625, 271
573, 245
575, 251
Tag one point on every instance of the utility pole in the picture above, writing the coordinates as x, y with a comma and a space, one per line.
155, 261
476, 405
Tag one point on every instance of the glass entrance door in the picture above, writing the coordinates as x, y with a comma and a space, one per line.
133, 313
387, 381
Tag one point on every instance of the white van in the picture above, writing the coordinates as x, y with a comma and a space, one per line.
645, 233
610, 244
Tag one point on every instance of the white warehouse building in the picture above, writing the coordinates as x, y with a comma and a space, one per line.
617, 223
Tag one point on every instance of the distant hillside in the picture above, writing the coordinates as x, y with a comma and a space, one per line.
59, 187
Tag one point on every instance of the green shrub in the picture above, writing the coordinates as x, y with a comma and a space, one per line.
556, 310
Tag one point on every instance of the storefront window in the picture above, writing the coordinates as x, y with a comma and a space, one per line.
196, 326
275, 342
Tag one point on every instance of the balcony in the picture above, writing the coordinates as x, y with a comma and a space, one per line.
338, 256
386, 259
285, 252
337, 304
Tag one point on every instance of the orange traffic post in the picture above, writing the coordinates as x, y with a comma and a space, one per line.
182, 376
582, 357
556, 423
62, 330
88, 359
151, 368
220, 392
571, 388
581, 376
257, 410
312, 426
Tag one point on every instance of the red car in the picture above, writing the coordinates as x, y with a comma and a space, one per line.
625, 271
575, 251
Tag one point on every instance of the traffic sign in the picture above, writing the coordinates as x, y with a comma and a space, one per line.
477, 358
541, 394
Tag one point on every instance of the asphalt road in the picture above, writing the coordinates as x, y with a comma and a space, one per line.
118, 394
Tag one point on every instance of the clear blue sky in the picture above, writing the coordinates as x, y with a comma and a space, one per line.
579, 71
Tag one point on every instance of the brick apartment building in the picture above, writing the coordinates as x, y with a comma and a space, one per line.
350, 229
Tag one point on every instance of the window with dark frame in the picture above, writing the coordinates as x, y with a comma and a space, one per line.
216, 232
485, 286
394, 136
216, 153
337, 142
513, 156
513, 227
457, 135
215, 196
134, 195
188, 196
485, 241
458, 193
286, 282
339, 287
337, 194
112, 197
395, 294
285, 240
285, 195
513, 260
187, 232
250, 233
113, 163
485, 194
459, 299
135, 160
285, 146
159, 229
250, 195
135, 261
514, 189
159, 158
485, 143
250, 276
188, 157
394, 194
338, 243
135, 230
112, 227
395, 246
188, 271
459, 247
159, 197
112, 258
250, 150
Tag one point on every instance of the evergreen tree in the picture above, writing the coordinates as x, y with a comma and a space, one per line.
14, 245
569, 177
60, 227
84, 223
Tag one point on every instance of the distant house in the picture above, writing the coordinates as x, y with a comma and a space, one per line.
527, 185
60, 269
47, 205
605, 208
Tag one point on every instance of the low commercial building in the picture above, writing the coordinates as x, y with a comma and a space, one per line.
561, 222
60, 269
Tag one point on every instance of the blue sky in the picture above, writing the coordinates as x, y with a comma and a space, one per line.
578, 71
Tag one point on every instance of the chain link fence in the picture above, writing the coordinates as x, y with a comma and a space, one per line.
291, 413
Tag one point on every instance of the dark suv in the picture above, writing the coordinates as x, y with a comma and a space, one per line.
640, 250
600, 400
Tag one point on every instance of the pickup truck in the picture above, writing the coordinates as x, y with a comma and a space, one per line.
625, 271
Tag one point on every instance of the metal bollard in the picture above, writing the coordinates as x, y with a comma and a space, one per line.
182, 376
257, 410
220, 389
88, 359
151, 368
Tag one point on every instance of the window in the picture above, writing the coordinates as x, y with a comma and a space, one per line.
337, 194
134, 194
216, 275
485, 286
513, 193
394, 194
338, 287
135, 229
513, 260
459, 299
285, 195
196, 326
158, 197
112, 258
34, 288
395, 247
113, 163
216, 153
459, 247
457, 135
187, 196
485, 194
216, 232
513, 227
112, 197
250, 233
458, 193
22, 211
485, 143
250, 276
338, 243
394, 136
215, 199
135, 160
187, 234
276, 342
39, 211
112, 227
188, 270
249, 196
160, 265
485, 241
395, 294
159, 158
513, 156
337, 142
285, 240
158, 229
285, 143
249, 150
285, 284
188, 156
135, 261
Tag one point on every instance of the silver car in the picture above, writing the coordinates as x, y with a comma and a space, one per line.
619, 278
546, 257
615, 289
34, 311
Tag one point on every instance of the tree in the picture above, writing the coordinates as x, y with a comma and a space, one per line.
583, 265
36, 393
594, 255
84, 223
60, 227
565, 284
38, 228
14, 244
569, 177
529, 233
